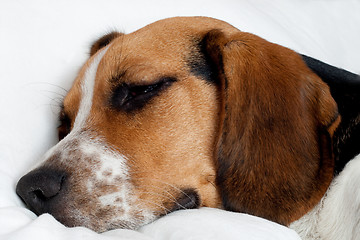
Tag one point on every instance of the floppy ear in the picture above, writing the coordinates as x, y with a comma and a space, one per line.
273, 153
103, 41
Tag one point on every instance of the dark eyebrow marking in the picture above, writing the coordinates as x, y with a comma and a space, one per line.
116, 77
200, 62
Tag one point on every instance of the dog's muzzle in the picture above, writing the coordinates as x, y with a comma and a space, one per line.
83, 182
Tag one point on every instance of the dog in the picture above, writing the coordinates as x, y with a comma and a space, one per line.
191, 112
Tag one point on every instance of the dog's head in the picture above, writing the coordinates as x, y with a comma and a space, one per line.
184, 113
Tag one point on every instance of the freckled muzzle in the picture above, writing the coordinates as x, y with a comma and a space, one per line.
83, 182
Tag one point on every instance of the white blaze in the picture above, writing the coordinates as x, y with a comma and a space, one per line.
87, 91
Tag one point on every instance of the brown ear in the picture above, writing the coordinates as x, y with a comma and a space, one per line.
273, 153
103, 41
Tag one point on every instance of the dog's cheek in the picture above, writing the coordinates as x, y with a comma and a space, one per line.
175, 148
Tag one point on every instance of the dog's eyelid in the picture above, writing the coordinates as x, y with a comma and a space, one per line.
163, 81
130, 97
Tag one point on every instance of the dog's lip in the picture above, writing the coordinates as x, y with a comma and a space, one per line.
188, 198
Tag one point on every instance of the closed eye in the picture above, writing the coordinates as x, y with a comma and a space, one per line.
134, 97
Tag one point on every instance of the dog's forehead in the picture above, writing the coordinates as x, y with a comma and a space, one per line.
148, 50
156, 50
165, 40
184, 26
138, 61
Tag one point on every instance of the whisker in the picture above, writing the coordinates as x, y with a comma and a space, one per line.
169, 197
47, 83
55, 108
166, 210
57, 100
163, 182
174, 199
164, 193
54, 92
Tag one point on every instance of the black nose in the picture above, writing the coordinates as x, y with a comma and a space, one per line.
39, 187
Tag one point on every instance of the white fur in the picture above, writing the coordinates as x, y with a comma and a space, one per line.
87, 91
337, 216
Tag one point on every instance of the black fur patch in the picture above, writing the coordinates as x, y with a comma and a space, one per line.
201, 63
345, 89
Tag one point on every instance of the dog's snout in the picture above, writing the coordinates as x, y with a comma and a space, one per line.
39, 187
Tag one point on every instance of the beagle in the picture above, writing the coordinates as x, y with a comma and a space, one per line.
184, 113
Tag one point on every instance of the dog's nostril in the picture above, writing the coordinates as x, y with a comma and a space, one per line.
39, 187
41, 195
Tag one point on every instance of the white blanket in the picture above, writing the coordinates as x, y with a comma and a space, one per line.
43, 44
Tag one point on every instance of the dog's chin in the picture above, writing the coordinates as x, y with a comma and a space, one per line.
101, 219
100, 228
101, 225
104, 220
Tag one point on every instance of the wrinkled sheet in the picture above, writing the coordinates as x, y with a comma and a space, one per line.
43, 44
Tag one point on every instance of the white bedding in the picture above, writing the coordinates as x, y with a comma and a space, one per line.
43, 44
